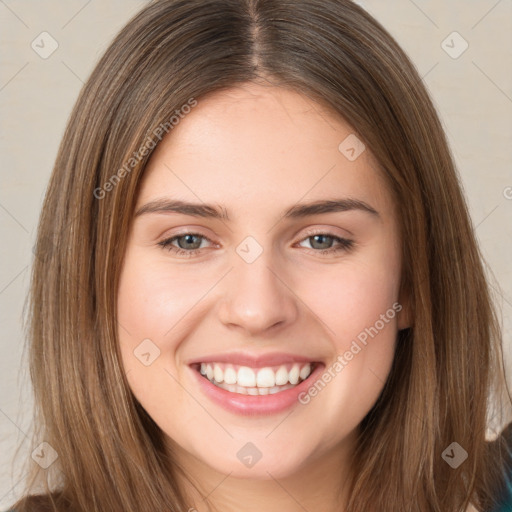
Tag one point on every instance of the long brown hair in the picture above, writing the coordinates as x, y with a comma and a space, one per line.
448, 370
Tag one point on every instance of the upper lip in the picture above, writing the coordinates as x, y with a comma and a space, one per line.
254, 360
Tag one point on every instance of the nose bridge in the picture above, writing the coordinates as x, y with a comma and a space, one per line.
256, 298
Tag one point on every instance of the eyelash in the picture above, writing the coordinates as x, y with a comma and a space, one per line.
344, 244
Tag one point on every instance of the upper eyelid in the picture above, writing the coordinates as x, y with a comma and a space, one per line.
193, 232
172, 238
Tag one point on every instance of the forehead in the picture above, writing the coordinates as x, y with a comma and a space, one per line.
260, 146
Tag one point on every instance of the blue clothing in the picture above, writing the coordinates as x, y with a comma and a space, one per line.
505, 498
507, 504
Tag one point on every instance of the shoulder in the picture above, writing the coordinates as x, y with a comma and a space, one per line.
504, 444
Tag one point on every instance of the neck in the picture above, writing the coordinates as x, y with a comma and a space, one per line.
320, 484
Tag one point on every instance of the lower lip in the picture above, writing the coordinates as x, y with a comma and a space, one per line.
251, 405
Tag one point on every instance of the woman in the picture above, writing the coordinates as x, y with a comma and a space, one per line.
327, 340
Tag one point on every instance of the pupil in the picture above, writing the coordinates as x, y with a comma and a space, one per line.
189, 240
324, 243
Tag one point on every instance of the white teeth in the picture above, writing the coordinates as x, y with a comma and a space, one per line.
266, 378
246, 377
304, 373
229, 375
281, 376
294, 374
251, 381
218, 374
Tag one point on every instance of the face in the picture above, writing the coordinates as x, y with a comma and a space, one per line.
259, 294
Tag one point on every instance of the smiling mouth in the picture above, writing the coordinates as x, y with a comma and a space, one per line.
246, 380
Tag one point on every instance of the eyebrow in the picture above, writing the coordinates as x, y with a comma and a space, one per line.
218, 212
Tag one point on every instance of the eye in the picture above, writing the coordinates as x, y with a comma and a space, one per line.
322, 243
188, 244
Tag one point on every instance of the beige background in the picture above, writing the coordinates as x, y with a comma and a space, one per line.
473, 94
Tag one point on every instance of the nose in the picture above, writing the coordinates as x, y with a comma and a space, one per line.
257, 298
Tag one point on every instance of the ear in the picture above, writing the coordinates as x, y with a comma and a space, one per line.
404, 317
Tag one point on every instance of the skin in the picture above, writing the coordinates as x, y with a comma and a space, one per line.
228, 152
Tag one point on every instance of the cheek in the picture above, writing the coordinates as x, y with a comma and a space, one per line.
358, 306
152, 310
351, 296
154, 300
